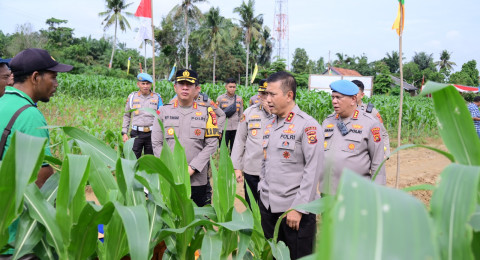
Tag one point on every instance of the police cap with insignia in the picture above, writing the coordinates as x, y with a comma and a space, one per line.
344, 87
262, 85
186, 75
144, 77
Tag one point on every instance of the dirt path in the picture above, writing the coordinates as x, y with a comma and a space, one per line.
417, 166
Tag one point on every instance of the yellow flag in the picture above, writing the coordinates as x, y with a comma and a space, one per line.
255, 70
399, 22
128, 65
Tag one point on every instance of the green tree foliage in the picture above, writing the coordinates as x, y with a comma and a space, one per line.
251, 26
300, 61
23, 38
214, 33
187, 10
115, 14
424, 60
57, 35
382, 84
392, 61
266, 48
320, 66
468, 76
444, 62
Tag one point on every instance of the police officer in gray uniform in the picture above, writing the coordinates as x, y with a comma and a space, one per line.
256, 98
226, 100
293, 163
353, 139
141, 120
247, 153
195, 127
370, 108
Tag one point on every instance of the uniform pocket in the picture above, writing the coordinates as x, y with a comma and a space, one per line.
352, 143
197, 129
171, 127
328, 139
255, 130
286, 148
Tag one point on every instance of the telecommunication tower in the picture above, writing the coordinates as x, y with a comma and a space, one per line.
280, 31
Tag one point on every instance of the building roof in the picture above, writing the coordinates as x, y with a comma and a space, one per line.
343, 72
406, 86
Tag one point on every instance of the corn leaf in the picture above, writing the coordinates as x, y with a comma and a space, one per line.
452, 205
100, 177
453, 119
98, 148
212, 245
16, 174
72, 182
371, 220
29, 233
84, 234
43, 212
224, 185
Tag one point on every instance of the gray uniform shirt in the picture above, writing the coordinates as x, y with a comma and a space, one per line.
199, 139
376, 115
254, 100
139, 117
293, 161
223, 101
361, 150
209, 103
247, 153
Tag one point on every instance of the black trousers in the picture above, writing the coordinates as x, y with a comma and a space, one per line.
143, 142
252, 182
301, 242
229, 138
199, 195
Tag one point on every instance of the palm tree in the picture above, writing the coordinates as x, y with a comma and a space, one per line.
187, 9
267, 47
214, 32
444, 62
251, 25
113, 15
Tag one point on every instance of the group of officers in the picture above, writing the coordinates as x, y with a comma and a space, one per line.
283, 154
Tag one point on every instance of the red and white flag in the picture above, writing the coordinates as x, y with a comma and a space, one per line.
144, 9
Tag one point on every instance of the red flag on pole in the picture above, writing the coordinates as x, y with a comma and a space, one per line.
144, 9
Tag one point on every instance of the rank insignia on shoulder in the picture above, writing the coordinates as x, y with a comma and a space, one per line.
376, 134
213, 104
380, 118
195, 105
336, 117
355, 115
290, 117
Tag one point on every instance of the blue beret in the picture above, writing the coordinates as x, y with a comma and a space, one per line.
144, 77
5, 61
345, 87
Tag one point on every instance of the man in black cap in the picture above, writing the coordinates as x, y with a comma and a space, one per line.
256, 99
6, 76
195, 127
35, 79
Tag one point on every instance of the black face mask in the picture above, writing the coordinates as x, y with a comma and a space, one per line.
343, 129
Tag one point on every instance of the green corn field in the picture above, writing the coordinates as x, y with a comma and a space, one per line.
96, 104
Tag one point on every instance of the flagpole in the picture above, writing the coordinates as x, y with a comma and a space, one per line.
145, 50
153, 49
399, 134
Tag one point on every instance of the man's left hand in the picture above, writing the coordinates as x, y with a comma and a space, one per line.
190, 170
293, 219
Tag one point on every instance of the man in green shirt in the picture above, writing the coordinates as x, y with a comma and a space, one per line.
35, 79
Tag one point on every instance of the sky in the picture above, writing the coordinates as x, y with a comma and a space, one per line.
321, 27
